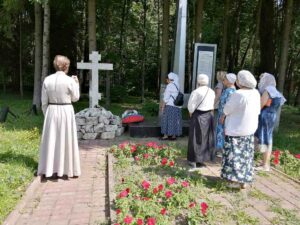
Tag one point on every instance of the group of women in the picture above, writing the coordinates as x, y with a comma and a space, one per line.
245, 120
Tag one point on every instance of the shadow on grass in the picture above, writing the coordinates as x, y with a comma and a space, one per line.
17, 159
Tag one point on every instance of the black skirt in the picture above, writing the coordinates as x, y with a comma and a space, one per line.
201, 145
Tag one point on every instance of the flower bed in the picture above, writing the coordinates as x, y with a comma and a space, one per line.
287, 163
156, 199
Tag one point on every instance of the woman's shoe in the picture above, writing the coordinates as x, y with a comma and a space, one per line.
163, 138
263, 168
234, 185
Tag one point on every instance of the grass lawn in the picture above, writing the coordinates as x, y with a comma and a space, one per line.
19, 141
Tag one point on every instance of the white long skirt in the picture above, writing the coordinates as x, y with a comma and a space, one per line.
59, 152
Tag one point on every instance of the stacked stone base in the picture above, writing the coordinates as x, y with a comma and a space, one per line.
98, 123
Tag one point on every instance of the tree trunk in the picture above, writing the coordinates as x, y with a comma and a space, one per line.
92, 25
285, 44
46, 36
144, 57
198, 22
20, 56
255, 41
158, 47
237, 38
107, 78
266, 35
297, 99
165, 41
224, 35
164, 50
122, 31
36, 102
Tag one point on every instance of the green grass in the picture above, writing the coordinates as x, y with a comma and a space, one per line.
288, 135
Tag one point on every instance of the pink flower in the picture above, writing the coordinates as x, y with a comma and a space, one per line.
171, 164
171, 180
163, 211
123, 145
128, 219
155, 190
146, 199
152, 145
136, 158
145, 185
123, 194
160, 187
185, 183
164, 161
192, 205
151, 221
118, 211
128, 190
133, 148
204, 207
168, 194
297, 156
116, 224
146, 155
140, 221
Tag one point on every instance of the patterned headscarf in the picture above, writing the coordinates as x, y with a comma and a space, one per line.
246, 79
266, 79
231, 77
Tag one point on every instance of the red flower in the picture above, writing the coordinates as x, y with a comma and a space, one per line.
171, 164
171, 180
116, 224
123, 194
133, 148
146, 156
164, 161
192, 205
118, 211
163, 211
276, 157
151, 221
128, 190
151, 144
146, 199
145, 185
123, 145
204, 207
185, 183
140, 221
297, 156
155, 190
128, 219
160, 187
168, 194
136, 158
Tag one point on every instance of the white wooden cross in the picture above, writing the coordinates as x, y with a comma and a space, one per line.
94, 95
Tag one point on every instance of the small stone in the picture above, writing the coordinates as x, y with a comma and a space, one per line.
82, 130
110, 128
80, 121
107, 135
91, 120
89, 136
119, 131
89, 128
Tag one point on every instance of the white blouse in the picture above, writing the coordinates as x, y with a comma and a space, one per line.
198, 95
242, 111
170, 94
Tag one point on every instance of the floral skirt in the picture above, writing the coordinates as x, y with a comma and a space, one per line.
171, 123
237, 162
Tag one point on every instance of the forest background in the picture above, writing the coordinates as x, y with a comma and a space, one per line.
137, 36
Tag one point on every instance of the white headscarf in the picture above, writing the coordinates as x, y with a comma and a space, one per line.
246, 79
266, 79
202, 79
173, 77
267, 83
231, 77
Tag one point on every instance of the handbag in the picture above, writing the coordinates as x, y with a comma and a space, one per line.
178, 101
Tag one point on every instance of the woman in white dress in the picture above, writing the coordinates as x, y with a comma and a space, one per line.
59, 153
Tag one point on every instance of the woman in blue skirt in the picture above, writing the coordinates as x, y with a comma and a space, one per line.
171, 123
271, 100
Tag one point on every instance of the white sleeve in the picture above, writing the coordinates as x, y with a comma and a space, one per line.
167, 94
231, 104
74, 90
193, 102
44, 99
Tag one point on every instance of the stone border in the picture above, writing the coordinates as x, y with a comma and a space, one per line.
13, 217
111, 183
285, 175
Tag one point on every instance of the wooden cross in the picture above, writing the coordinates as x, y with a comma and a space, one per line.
94, 95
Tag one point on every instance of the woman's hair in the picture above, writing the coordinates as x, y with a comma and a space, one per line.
61, 63
202, 80
221, 75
